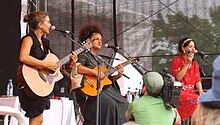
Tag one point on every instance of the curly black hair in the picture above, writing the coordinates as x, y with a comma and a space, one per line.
87, 31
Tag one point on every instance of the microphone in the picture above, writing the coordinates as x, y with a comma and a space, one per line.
113, 47
109, 57
62, 31
201, 54
198, 53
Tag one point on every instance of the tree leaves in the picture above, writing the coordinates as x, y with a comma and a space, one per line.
170, 29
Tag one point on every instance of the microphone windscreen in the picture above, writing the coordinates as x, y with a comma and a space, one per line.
106, 45
196, 51
52, 28
188, 51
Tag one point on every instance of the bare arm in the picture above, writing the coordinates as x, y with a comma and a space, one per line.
199, 87
121, 69
87, 71
182, 72
178, 118
126, 116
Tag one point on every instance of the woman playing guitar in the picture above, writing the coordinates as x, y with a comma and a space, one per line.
113, 105
34, 48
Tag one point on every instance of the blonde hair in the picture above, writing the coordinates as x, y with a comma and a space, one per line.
204, 115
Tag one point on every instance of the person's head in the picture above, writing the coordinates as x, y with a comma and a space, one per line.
153, 83
38, 20
204, 115
186, 44
93, 33
212, 97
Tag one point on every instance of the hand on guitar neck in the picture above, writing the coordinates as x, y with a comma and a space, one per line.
121, 69
40, 82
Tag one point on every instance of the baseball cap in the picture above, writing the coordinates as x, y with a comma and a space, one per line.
154, 82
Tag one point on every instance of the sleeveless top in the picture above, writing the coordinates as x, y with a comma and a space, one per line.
36, 50
35, 107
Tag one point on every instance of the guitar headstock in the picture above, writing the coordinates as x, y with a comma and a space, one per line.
134, 59
88, 44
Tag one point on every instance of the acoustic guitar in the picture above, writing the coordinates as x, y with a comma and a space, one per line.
90, 82
39, 83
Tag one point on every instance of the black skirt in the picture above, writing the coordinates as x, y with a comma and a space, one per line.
33, 107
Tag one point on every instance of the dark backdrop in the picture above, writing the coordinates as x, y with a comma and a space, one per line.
10, 38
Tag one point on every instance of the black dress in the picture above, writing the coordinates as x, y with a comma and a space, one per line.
35, 107
113, 105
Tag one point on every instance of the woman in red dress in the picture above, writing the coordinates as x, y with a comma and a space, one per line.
186, 70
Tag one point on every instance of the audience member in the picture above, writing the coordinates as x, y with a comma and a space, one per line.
149, 109
208, 111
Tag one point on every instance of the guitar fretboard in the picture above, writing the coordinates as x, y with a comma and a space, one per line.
67, 58
112, 70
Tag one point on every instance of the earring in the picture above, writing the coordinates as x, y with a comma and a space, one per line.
184, 51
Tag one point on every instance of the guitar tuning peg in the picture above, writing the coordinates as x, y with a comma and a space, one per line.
84, 41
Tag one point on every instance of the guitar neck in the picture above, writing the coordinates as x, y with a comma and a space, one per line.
67, 58
112, 70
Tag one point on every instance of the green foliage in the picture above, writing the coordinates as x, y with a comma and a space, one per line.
171, 28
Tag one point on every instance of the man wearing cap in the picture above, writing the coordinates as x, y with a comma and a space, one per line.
149, 109
208, 111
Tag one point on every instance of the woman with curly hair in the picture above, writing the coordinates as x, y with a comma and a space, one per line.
113, 105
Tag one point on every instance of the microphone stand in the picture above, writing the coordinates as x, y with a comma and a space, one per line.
98, 108
136, 63
99, 60
113, 55
104, 56
203, 57
98, 79
97, 57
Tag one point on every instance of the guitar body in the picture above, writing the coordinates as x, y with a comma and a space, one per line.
38, 83
90, 83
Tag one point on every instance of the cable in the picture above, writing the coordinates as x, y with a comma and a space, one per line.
186, 20
138, 24
136, 63
141, 21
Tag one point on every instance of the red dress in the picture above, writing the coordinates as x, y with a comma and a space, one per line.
188, 97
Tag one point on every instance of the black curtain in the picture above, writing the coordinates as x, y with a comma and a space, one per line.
10, 38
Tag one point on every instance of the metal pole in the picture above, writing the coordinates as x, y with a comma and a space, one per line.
114, 23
